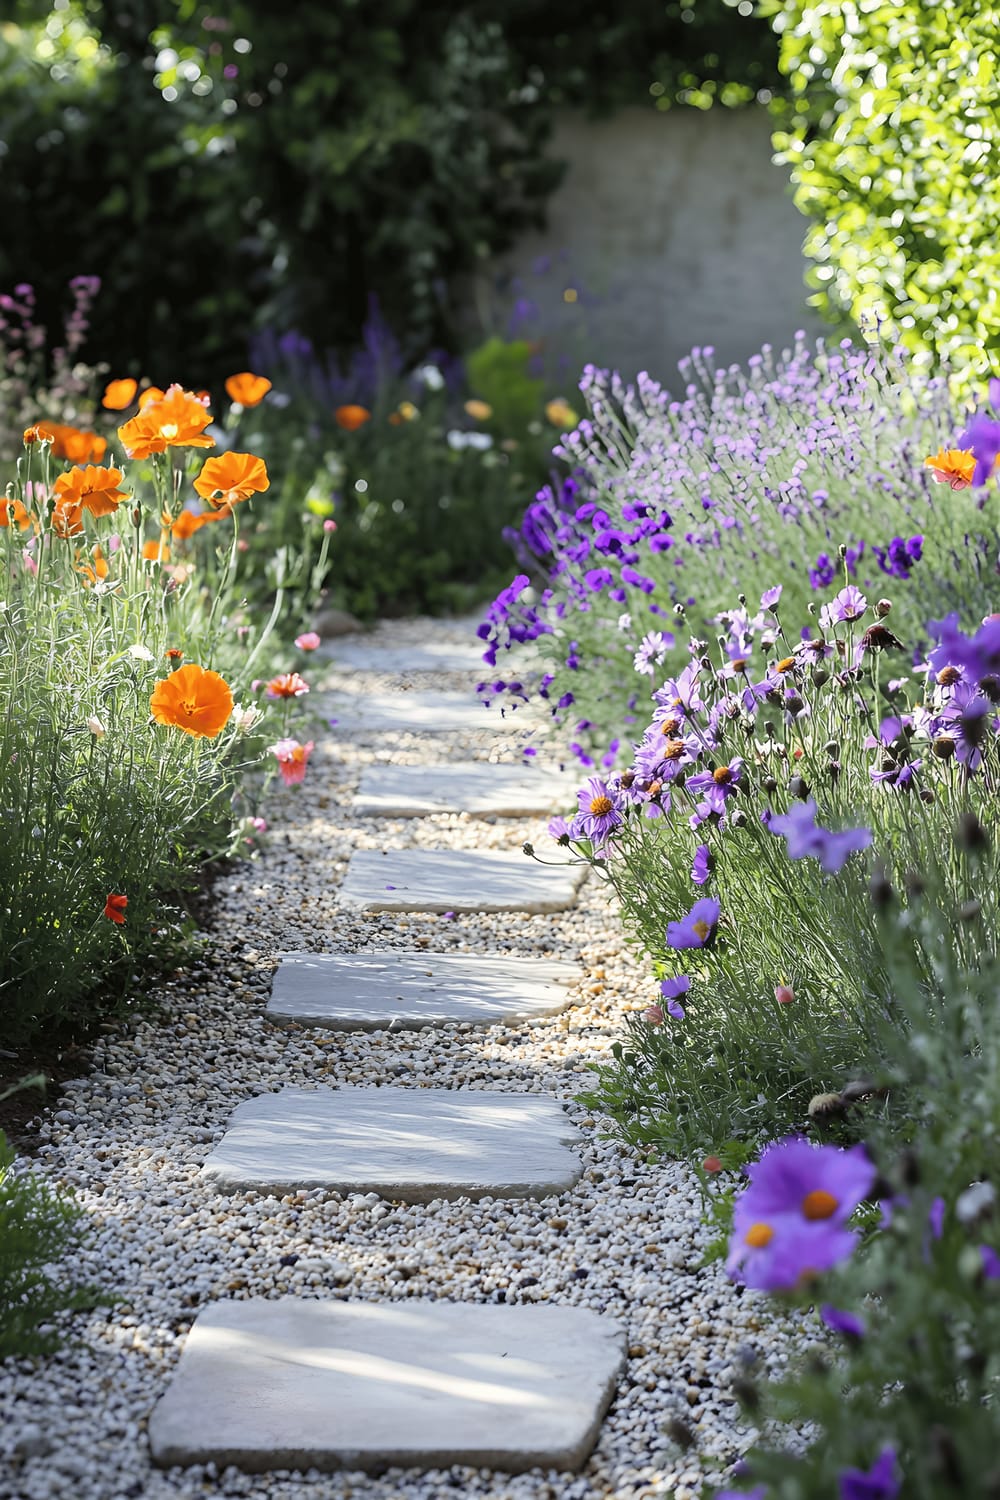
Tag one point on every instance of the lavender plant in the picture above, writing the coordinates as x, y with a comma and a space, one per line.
784, 771
750, 475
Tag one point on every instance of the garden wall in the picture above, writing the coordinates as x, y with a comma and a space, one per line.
684, 228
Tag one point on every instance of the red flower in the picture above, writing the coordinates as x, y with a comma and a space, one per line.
114, 908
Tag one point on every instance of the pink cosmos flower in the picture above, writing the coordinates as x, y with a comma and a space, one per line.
292, 759
307, 642
287, 685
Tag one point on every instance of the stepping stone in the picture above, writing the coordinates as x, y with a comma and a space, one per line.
295, 1383
432, 656
477, 787
437, 880
411, 1144
428, 713
371, 991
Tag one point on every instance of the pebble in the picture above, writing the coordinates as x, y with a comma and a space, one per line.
130, 1138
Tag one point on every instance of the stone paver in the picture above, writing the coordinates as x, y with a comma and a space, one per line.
411, 1144
301, 1384
432, 656
473, 787
426, 712
439, 880
372, 991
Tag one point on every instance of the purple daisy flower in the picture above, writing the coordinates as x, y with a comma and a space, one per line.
715, 787
670, 989
598, 815
697, 929
804, 838
978, 655
991, 1262
559, 830
849, 604
877, 1483
770, 597
759, 1492
842, 1322
983, 436
703, 864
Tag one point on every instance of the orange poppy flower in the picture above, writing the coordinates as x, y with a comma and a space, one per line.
34, 434
14, 510
178, 421
118, 394
288, 685
231, 477
174, 653
67, 519
952, 466
187, 523
92, 572
151, 393
247, 389
95, 489
71, 443
351, 417
114, 908
156, 552
193, 700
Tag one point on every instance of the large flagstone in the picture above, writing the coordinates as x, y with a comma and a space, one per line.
470, 787
393, 661
399, 713
371, 991
439, 880
410, 1144
302, 1384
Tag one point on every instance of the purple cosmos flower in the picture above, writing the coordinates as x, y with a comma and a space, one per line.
697, 929
899, 776
849, 604
842, 1322
704, 860
770, 597
804, 838
598, 815
715, 787
983, 436
877, 1483
977, 656
790, 1222
670, 989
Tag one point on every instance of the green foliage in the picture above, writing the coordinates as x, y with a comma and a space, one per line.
499, 374
297, 159
38, 1230
891, 135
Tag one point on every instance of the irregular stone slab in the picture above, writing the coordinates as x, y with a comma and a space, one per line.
506, 791
427, 713
399, 661
439, 880
305, 1384
410, 1144
369, 991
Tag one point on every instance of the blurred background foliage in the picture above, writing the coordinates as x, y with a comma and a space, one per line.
278, 165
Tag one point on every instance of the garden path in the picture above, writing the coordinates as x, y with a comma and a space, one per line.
615, 1240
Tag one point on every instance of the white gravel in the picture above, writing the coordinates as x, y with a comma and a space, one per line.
131, 1137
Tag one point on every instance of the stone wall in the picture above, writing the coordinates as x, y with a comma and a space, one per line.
684, 229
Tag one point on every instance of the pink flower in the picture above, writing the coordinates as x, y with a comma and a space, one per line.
653, 1014
292, 759
287, 685
307, 642
784, 994
329, 525
259, 825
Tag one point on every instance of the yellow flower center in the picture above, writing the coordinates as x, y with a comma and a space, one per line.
759, 1235
168, 430
702, 929
819, 1204
601, 806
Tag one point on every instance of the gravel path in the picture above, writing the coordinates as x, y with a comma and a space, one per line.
131, 1137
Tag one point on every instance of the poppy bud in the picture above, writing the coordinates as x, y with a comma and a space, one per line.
798, 787
880, 890
653, 1014
770, 785
825, 1106
926, 795
943, 748
971, 835
831, 747
136, 517
842, 551
742, 598
882, 608
990, 687
528, 849
784, 994
679, 611
969, 911
712, 1164
820, 677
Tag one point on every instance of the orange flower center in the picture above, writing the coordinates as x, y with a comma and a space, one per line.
702, 929
785, 664
669, 726
601, 806
819, 1204
673, 750
722, 775
759, 1235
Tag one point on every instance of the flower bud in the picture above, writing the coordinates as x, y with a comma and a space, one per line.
653, 1014
96, 728
528, 849
943, 748
880, 889
926, 794
971, 835
969, 911
882, 608
798, 787
825, 1106
712, 1164
820, 677
784, 994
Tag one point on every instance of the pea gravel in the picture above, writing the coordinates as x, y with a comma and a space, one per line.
130, 1139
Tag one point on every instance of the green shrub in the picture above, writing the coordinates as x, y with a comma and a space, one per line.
891, 136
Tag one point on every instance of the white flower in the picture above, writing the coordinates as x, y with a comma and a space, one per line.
458, 440
95, 726
976, 1201
479, 440
243, 719
140, 652
625, 622
431, 377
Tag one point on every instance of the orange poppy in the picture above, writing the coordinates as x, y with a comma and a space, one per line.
952, 466
118, 394
351, 417
114, 908
156, 552
14, 510
93, 571
151, 393
247, 389
67, 518
95, 489
193, 700
231, 477
34, 434
187, 523
288, 685
174, 653
178, 421
73, 444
